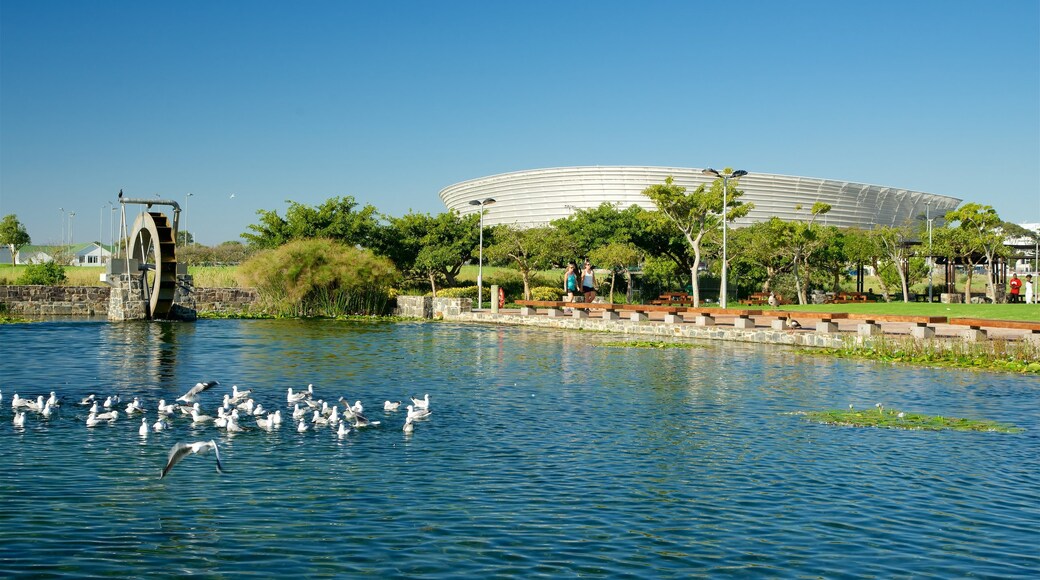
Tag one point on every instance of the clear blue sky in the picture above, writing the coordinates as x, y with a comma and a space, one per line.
391, 101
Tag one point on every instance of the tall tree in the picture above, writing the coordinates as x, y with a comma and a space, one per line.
617, 257
600, 226
13, 234
981, 226
530, 249
805, 239
338, 218
696, 213
893, 243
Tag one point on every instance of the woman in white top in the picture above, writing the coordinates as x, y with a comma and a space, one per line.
588, 282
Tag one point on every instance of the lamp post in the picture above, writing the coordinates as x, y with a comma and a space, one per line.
931, 259
725, 188
62, 210
72, 237
186, 197
480, 260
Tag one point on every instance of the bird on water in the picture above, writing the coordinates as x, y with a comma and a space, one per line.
182, 450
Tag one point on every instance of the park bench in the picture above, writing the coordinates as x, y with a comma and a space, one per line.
976, 327
582, 309
848, 297
741, 316
640, 312
824, 320
762, 299
553, 308
923, 326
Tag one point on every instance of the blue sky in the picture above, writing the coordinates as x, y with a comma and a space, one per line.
391, 101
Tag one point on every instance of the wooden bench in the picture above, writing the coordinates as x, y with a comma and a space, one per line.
976, 327
924, 326
824, 320
640, 312
582, 309
741, 316
553, 308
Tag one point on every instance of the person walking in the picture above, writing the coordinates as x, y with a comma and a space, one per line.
588, 282
1016, 288
1030, 298
570, 281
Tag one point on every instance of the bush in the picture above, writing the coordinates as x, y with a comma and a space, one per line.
546, 293
319, 277
45, 274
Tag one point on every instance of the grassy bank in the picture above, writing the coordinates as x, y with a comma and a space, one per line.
205, 276
991, 311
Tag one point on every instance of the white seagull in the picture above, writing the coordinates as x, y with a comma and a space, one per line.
194, 392
416, 414
143, 429
19, 419
182, 450
88, 399
423, 403
388, 406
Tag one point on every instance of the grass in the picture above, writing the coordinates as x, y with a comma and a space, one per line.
651, 344
893, 419
205, 276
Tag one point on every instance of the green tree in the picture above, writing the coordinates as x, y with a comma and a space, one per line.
893, 243
530, 249
431, 247
338, 218
601, 226
617, 257
696, 213
804, 239
13, 234
763, 244
981, 234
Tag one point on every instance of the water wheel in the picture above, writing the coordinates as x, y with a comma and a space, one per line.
155, 250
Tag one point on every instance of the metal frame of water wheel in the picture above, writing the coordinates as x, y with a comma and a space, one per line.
152, 234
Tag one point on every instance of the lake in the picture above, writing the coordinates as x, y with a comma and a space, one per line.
547, 454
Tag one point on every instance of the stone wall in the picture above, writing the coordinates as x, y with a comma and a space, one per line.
94, 300
414, 306
55, 300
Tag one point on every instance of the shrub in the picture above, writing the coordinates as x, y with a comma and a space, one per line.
462, 292
45, 274
319, 277
546, 293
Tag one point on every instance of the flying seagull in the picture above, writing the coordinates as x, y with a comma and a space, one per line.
182, 450
195, 391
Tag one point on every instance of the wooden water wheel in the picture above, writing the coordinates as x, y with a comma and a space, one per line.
156, 251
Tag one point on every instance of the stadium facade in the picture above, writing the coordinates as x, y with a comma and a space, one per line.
538, 196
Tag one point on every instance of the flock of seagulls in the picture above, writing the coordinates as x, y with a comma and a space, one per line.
236, 414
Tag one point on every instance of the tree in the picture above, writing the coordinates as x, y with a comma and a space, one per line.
763, 244
337, 218
893, 244
804, 239
980, 225
13, 234
530, 249
696, 213
616, 257
601, 226
431, 247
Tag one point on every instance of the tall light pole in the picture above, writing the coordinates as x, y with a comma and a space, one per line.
186, 197
62, 210
931, 259
72, 237
725, 188
480, 260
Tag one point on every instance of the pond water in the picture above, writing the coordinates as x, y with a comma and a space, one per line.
548, 454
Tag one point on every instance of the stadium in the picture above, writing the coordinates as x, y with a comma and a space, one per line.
538, 196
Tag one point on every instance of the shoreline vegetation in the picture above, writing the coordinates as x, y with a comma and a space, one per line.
882, 418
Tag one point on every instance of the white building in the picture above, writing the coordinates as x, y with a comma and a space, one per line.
538, 196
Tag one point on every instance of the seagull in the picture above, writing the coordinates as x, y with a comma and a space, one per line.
298, 412
357, 407
165, 409
19, 419
46, 412
53, 400
195, 391
143, 430
388, 406
276, 418
36, 405
239, 396
266, 424
292, 398
343, 430
88, 399
134, 406
160, 425
197, 417
302, 427
423, 403
409, 426
232, 196
182, 450
416, 414
109, 416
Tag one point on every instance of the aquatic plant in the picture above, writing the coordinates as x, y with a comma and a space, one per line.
993, 354
652, 344
894, 419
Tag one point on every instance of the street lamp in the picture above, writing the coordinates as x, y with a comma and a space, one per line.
62, 210
186, 217
931, 259
725, 187
480, 261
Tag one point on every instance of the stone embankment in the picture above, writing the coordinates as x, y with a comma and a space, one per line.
94, 300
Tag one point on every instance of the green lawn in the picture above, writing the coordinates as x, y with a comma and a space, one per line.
992, 311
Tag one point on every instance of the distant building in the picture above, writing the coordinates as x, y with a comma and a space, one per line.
84, 254
538, 196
